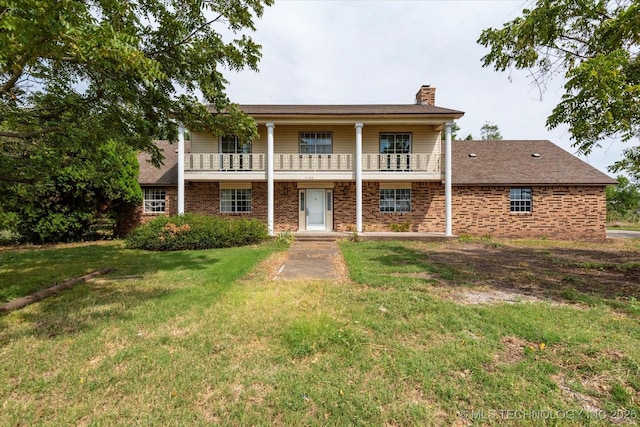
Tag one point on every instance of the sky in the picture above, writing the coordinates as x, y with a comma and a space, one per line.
382, 51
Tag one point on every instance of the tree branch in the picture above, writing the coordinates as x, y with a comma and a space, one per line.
189, 36
29, 135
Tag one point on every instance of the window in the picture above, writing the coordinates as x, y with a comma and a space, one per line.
236, 155
395, 143
520, 199
230, 144
395, 150
154, 200
235, 200
316, 143
395, 200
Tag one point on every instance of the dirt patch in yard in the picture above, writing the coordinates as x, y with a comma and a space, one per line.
507, 271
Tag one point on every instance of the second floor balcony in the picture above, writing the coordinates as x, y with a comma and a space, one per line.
295, 166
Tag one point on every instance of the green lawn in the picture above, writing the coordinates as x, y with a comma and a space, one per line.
209, 337
629, 227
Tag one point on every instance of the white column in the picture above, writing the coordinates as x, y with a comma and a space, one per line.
358, 162
447, 179
270, 190
180, 168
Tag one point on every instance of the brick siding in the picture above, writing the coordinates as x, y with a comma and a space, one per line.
285, 206
561, 212
427, 208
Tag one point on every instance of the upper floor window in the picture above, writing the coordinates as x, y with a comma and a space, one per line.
235, 200
520, 200
230, 144
395, 149
395, 143
316, 143
154, 200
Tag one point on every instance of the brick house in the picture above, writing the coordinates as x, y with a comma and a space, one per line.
370, 168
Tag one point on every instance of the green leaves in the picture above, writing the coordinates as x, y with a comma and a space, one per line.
125, 64
77, 75
602, 99
595, 45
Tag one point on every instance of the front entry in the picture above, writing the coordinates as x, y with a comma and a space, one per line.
315, 212
316, 209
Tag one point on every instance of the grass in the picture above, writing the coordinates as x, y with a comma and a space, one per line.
624, 226
208, 337
25, 271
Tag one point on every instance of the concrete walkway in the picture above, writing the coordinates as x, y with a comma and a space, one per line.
311, 260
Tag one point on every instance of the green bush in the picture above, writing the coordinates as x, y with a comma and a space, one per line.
9, 237
191, 231
401, 228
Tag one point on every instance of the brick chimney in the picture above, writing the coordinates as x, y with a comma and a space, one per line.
426, 95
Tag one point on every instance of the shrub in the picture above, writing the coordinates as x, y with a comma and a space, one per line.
9, 237
401, 228
191, 231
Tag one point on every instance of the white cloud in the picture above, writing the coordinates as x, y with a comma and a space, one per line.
367, 52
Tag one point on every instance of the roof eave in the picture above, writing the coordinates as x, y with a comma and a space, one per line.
532, 184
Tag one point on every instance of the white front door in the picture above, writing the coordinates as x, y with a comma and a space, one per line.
315, 209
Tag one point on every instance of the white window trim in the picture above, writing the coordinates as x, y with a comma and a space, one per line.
410, 134
316, 133
522, 201
234, 201
148, 203
395, 200
238, 145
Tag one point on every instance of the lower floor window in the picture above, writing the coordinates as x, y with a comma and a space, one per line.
235, 200
154, 200
395, 200
520, 199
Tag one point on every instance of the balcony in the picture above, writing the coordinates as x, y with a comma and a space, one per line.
290, 166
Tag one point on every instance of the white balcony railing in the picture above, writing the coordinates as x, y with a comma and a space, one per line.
401, 163
289, 162
207, 162
312, 162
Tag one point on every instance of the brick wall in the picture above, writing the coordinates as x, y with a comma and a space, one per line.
427, 208
285, 206
558, 212
562, 212
204, 198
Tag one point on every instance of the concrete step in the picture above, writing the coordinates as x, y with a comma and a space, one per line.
318, 238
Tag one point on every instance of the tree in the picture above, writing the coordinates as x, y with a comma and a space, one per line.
81, 188
490, 131
595, 45
454, 132
77, 76
630, 165
100, 70
623, 200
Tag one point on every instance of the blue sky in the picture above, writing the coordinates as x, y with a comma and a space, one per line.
381, 52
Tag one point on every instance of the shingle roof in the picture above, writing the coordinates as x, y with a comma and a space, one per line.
347, 110
167, 174
514, 163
